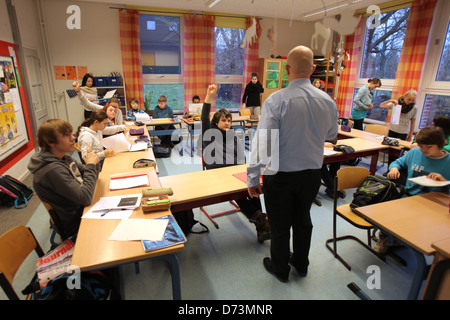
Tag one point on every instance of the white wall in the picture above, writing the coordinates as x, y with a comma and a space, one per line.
96, 45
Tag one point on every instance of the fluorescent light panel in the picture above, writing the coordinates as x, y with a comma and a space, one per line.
340, 5
212, 3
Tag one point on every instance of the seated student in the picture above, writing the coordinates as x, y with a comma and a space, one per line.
88, 105
90, 134
162, 110
443, 122
133, 108
111, 114
427, 160
221, 148
67, 185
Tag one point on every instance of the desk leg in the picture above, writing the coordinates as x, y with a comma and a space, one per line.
419, 276
176, 277
373, 164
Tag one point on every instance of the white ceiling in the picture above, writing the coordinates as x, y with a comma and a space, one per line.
281, 9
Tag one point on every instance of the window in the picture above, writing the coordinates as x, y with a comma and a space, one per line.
161, 60
380, 56
229, 67
434, 105
383, 45
443, 73
160, 44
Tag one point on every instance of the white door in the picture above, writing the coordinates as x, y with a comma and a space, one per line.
38, 101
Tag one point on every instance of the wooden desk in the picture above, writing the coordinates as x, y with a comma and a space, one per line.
363, 148
191, 124
201, 188
417, 221
438, 282
355, 133
93, 250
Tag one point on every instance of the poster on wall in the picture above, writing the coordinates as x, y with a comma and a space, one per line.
13, 130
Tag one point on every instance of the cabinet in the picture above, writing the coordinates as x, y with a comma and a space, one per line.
272, 75
325, 71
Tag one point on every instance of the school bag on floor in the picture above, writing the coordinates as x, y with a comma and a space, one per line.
374, 190
13, 192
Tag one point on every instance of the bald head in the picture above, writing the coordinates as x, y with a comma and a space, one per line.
301, 62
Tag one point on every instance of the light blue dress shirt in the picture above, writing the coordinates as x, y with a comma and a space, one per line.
294, 124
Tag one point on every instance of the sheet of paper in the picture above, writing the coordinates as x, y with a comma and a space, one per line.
117, 142
139, 229
111, 215
122, 206
329, 152
109, 94
142, 116
138, 146
427, 182
129, 182
395, 116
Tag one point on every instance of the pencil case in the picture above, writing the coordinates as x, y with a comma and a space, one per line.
157, 192
137, 132
155, 203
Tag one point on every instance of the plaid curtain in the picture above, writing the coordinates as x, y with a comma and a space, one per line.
199, 55
251, 57
412, 58
346, 87
131, 55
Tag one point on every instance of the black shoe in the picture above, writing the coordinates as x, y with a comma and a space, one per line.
301, 272
342, 194
317, 202
267, 262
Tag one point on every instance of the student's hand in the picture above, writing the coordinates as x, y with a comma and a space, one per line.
76, 85
125, 129
109, 152
409, 137
254, 192
328, 145
393, 174
210, 93
91, 157
243, 106
369, 107
436, 176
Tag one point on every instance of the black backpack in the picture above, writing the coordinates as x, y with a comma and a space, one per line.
13, 192
161, 152
374, 190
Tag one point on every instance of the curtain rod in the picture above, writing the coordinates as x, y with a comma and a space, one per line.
180, 12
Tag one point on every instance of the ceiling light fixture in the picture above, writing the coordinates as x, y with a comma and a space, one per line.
212, 3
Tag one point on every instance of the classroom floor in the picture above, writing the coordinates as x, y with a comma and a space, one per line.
226, 263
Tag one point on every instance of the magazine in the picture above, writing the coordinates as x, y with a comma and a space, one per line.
172, 236
54, 263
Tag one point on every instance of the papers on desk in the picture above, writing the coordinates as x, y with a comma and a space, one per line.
427, 182
172, 236
119, 143
142, 116
126, 181
115, 207
139, 229
329, 152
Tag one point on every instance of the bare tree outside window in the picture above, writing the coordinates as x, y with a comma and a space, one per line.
443, 73
383, 45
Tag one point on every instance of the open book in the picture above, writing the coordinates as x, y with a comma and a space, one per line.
119, 143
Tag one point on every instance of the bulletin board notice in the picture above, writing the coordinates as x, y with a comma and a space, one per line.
13, 129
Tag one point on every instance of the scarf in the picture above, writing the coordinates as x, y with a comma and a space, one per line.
405, 107
92, 90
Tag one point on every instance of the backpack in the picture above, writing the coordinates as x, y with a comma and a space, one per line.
13, 192
161, 152
186, 221
374, 190
92, 286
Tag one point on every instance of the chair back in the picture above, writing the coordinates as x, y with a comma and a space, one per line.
245, 112
15, 246
351, 177
377, 129
55, 220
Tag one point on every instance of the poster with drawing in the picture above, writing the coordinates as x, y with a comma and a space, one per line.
13, 131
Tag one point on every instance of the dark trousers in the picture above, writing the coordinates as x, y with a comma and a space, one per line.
358, 124
401, 136
166, 139
328, 172
288, 197
249, 206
